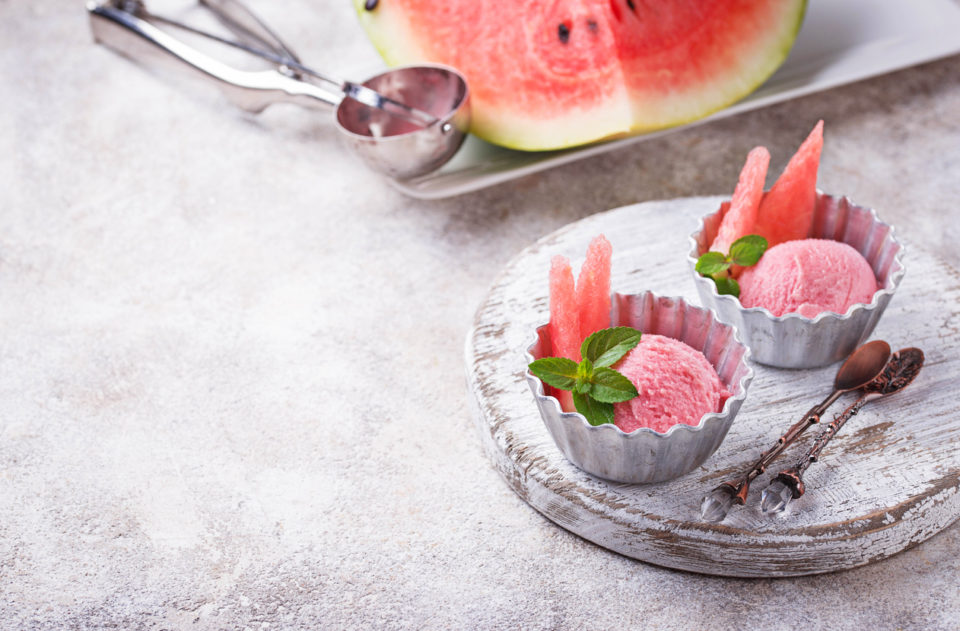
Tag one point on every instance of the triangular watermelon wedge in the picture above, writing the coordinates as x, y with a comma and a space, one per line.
564, 321
549, 75
564, 313
786, 212
741, 217
593, 287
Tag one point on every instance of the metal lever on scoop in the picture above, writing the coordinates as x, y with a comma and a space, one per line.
248, 27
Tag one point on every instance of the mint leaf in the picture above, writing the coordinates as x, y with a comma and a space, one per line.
596, 413
712, 263
727, 286
595, 386
607, 346
558, 372
585, 370
584, 377
746, 251
610, 386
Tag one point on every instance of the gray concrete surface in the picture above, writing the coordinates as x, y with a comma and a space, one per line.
231, 389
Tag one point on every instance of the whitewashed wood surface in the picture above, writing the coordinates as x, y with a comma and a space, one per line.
887, 482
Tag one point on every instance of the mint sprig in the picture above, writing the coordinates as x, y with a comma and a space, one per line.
745, 252
595, 386
727, 285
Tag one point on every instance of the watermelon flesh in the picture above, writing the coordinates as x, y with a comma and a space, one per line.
578, 310
593, 287
564, 313
563, 73
786, 212
741, 217
564, 321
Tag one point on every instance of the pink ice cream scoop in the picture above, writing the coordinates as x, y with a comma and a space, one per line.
676, 384
808, 276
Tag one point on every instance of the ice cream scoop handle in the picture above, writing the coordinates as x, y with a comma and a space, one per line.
251, 91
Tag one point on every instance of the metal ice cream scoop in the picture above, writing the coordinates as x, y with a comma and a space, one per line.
403, 123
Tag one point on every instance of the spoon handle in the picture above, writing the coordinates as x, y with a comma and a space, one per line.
830, 431
790, 480
741, 485
812, 417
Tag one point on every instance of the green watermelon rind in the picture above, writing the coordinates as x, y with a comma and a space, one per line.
785, 46
581, 131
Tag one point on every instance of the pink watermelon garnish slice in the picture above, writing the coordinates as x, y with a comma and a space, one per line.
564, 321
548, 75
593, 287
741, 217
786, 211
564, 314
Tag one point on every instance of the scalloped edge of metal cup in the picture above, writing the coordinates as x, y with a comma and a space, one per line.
645, 455
796, 341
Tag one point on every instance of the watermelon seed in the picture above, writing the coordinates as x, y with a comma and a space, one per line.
370, 5
592, 25
630, 4
564, 32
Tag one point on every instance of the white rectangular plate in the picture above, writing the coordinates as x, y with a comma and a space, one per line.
840, 42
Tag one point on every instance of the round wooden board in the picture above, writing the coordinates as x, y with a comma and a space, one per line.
888, 481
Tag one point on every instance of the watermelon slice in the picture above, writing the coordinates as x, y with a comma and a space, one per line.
786, 212
564, 321
742, 215
564, 314
593, 287
548, 75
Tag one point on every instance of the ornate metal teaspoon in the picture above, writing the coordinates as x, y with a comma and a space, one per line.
863, 365
899, 372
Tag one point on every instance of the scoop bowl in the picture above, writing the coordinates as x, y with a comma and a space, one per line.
400, 148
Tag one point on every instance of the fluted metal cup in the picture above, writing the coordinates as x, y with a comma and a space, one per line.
793, 340
645, 455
